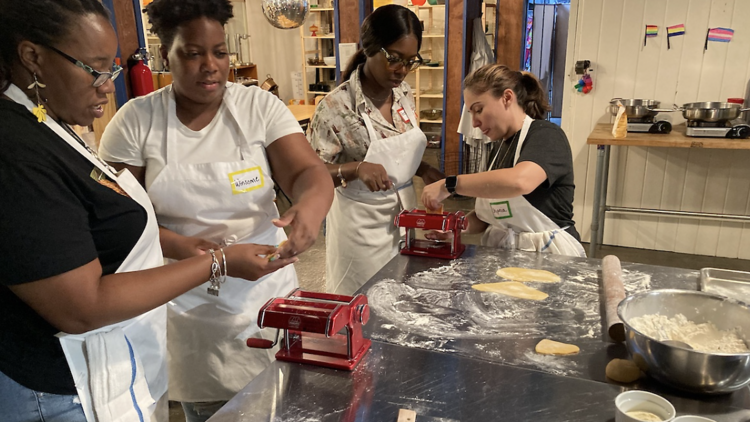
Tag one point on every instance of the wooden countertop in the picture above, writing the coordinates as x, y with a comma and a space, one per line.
602, 135
302, 112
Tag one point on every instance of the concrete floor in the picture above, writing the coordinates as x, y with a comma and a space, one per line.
311, 265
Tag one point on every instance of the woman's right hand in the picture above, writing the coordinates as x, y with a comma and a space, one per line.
374, 176
251, 261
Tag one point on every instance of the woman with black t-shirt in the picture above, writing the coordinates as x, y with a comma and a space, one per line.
525, 199
82, 286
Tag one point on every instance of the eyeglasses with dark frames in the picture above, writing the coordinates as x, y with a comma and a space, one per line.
100, 78
396, 63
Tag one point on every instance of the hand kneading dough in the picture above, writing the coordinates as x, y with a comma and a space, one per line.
549, 347
526, 274
511, 288
622, 370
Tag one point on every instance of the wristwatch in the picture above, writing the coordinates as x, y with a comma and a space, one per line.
450, 184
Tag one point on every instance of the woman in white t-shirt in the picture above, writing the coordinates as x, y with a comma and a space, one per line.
206, 151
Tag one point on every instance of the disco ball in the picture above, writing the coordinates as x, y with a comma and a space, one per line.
286, 14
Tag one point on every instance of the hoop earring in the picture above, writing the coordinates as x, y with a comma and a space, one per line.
39, 111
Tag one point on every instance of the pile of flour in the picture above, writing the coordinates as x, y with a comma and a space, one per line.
701, 337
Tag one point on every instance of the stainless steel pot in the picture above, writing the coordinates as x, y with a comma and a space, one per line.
637, 108
711, 111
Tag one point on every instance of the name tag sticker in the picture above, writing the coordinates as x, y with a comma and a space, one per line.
246, 180
501, 210
403, 115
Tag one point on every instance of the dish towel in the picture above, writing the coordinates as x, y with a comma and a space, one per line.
119, 391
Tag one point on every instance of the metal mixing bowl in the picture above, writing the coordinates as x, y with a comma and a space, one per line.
688, 370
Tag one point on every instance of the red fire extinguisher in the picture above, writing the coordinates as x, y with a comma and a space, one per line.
141, 82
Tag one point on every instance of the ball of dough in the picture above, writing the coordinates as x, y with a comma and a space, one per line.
622, 370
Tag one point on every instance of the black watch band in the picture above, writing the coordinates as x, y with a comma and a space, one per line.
450, 184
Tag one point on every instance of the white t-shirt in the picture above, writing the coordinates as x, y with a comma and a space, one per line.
137, 134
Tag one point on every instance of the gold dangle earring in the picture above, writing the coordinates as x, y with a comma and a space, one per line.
39, 111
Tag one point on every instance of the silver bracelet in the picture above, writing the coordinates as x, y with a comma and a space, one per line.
224, 260
215, 279
341, 177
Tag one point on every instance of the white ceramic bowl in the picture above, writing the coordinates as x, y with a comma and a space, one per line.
692, 418
635, 400
330, 60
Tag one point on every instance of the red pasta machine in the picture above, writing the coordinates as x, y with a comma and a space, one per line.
312, 324
445, 221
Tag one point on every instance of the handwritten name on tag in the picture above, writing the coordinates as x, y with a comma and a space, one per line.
246, 180
501, 210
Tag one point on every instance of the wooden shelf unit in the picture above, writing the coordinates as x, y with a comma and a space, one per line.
428, 87
323, 45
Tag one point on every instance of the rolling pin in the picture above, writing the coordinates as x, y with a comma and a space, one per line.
614, 293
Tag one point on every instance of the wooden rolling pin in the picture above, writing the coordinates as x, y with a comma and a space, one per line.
614, 293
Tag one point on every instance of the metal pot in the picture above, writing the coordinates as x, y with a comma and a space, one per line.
270, 85
711, 111
637, 108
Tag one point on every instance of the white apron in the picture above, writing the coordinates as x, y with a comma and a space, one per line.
225, 202
516, 224
124, 362
360, 234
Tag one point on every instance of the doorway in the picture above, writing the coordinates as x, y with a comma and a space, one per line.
545, 42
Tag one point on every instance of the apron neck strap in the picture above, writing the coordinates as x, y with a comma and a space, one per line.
521, 137
16, 94
524, 131
173, 121
368, 122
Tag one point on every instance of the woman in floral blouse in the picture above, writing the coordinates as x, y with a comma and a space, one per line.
367, 133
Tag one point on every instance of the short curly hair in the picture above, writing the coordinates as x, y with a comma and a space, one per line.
166, 16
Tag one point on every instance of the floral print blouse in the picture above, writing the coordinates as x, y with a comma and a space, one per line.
337, 131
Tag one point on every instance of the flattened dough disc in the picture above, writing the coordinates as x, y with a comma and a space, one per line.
527, 274
550, 347
511, 288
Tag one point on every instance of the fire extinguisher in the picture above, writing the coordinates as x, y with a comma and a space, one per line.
141, 81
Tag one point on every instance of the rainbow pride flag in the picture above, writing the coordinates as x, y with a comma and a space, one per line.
675, 30
720, 34
652, 30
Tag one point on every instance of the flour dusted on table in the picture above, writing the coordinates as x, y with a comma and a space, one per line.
703, 337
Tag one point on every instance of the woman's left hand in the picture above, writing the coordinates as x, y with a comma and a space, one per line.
433, 194
303, 234
431, 175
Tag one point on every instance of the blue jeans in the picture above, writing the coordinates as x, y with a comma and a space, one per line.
20, 404
200, 411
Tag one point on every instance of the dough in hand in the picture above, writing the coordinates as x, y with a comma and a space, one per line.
550, 347
511, 288
527, 274
622, 370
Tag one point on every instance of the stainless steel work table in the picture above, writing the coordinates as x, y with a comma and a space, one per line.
451, 353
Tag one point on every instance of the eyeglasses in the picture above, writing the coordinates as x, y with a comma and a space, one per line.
100, 78
395, 63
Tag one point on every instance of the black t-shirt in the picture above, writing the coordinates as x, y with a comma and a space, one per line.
54, 217
547, 146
